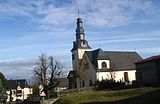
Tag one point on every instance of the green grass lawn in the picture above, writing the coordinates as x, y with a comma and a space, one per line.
128, 96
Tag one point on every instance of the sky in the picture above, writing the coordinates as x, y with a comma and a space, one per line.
29, 28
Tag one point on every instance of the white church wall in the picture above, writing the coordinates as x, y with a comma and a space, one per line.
81, 52
77, 54
119, 75
102, 75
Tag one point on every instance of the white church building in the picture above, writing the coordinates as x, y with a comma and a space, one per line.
92, 65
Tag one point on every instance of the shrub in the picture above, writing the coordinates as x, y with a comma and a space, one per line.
107, 84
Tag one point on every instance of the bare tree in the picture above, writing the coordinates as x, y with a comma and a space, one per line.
55, 71
40, 70
112, 72
47, 72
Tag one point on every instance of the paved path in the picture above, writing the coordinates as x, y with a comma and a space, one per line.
50, 101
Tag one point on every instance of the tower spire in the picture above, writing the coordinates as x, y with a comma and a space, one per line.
80, 41
79, 30
80, 45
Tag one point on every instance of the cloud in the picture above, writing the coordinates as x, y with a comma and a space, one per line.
15, 9
126, 37
148, 51
145, 43
27, 41
152, 50
57, 19
23, 68
98, 13
118, 13
17, 68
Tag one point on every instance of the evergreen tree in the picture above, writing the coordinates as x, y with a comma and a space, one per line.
4, 81
3, 86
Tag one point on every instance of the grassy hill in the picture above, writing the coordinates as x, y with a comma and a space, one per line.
128, 96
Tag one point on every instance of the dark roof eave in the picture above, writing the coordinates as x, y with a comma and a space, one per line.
152, 58
74, 73
80, 48
108, 70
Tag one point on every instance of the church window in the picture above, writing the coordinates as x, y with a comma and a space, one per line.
83, 84
75, 85
90, 83
86, 66
83, 42
73, 57
81, 25
104, 65
81, 30
126, 78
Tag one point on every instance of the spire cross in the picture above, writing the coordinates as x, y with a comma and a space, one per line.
78, 13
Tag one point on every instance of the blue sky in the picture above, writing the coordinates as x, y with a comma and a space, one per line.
31, 27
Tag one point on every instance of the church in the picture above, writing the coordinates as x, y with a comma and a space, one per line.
92, 65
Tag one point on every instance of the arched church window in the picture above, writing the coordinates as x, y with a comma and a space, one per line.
86, 65
90, 83
126, 78
104, 65
73, 57
83, 43
81, 25
83, 83
81, 30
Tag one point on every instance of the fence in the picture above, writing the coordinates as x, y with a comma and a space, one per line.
78, 90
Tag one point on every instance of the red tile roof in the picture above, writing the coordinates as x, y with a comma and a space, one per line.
149, 59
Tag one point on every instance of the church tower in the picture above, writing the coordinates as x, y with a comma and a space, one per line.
80, 45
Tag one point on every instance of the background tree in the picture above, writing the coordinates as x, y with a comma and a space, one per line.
5, 83
47, 72
3, 87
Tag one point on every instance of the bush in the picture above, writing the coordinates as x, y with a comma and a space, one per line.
107, 84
